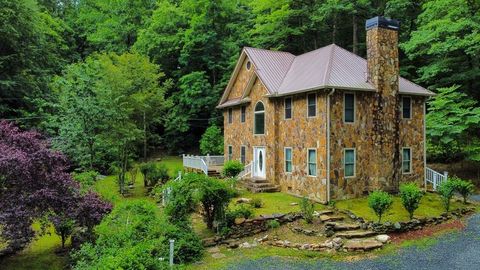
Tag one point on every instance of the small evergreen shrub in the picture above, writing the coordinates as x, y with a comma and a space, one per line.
232, 168
446, 190
411, 196
273, 224
307, 209
380, 202
465, 188
256, 203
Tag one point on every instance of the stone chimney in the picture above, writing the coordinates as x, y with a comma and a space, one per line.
383, 74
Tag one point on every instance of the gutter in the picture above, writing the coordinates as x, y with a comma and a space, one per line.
328, 143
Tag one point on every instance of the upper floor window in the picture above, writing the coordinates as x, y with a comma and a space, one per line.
406, 160
312, 105
349, 108
288, 108
242, 154
312, 162
288, 159
406, 107
230, 115
349, 160
259, 119
230, 152
242, 115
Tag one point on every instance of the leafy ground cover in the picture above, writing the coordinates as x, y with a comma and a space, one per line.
430, 206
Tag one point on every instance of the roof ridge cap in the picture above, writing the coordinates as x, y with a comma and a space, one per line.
260, 49
326, 78
285, 76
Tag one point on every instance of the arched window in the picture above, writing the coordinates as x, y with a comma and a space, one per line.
259, 119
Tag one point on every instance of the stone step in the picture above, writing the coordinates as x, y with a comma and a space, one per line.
323, 212
260, 185
325, 218
355, 234
342, 226
273, 188
365, 244
257, 180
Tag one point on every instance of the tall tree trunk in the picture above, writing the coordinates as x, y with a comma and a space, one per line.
355, 34
334, 32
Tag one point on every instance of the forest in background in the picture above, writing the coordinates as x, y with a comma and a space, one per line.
113, 80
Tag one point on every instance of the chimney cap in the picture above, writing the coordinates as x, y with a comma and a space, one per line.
382, 22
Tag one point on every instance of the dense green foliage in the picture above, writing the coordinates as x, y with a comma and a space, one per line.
380, 202
256, 203
307, 208
446, 190
465, 188
212, 141
86, 179
134, 236
232, 168
411, 196
196, 44
154, 174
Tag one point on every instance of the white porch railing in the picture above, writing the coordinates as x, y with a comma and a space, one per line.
166, 192
247, 170
202, 162
435, 178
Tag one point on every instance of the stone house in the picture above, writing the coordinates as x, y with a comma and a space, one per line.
327, 124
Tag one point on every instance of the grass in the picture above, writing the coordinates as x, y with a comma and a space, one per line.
40, 254
274, 203
430, 206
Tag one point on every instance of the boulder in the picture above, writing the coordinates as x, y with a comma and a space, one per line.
382, 238
366, 244
355, 234
239, 221
325, 218
243, 200
245, 245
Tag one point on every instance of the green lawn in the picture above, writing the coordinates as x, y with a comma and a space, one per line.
430, 206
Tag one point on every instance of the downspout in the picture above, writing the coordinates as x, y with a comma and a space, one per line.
328, 143
424, 144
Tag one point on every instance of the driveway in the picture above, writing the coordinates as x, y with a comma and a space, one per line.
458, 250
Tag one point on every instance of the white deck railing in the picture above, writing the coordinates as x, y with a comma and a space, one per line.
202, 162
247, 170
435, 178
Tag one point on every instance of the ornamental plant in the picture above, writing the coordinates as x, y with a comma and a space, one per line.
465, 188
232, 168
411, 196
446, 190
307, 208
380, 202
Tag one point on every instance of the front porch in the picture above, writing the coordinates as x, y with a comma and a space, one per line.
209, 165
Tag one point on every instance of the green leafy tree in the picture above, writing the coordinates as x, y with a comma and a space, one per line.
411, 196
380, 202
453, 122
212, 141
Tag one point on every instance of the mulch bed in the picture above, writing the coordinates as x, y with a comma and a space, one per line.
427, 231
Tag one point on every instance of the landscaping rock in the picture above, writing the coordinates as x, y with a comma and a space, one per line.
366, 244
342, 226
245, 245
382, 238
233, 245
323, 212
325, 218
243, 200
239, 221
213, 250
397, 226
355, 234
293, 204
218, 255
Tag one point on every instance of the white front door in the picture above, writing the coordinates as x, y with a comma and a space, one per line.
259, 162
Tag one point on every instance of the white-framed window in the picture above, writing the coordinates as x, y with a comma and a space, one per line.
348, 107
288, 108
242, 153
230, 152
406, 160
259, 119
406, 107
242, 114
312, 162
288, 159
230, 115
312, 105
349, 162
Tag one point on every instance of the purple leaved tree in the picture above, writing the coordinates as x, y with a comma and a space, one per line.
34, 182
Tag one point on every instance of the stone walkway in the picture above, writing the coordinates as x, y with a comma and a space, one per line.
459, 250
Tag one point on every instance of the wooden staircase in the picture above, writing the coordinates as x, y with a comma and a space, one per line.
257, 185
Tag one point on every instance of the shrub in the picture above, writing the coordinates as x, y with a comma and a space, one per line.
307, 208
153, 173
256, 203
214, 196
243, 211
135, 236
181, 200
411, 196
232, 168
86, 179
465, 188
446, 190
273, 224
212, 141
380, 202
